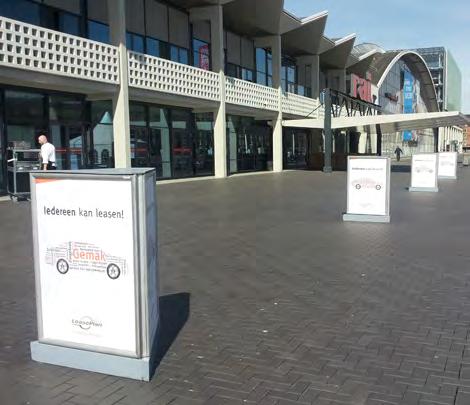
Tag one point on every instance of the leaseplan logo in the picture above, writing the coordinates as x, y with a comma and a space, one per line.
86, 323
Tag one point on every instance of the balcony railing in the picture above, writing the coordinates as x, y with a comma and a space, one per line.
152, 73
248, 94
299, 105
29, 47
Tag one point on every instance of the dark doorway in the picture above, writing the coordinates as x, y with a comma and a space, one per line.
295, 147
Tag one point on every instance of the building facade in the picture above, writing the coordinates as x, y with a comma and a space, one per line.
190, 87
446, 75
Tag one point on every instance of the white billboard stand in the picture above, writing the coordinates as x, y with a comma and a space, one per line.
368, 189
447, 165
424, 168
95, 262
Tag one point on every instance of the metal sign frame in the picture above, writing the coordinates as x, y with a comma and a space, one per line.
365, 217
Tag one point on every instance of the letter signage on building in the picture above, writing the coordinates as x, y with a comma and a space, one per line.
424, 172
368, 189
85, 240
447, 165
361, 88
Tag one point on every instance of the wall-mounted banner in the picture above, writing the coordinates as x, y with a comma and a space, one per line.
95, 253
408, 94
447, 165
368, 189
424, 172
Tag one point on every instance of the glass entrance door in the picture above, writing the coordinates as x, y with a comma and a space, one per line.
295, 149
69, 144
182, 153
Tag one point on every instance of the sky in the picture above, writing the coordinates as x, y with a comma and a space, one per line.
400, 24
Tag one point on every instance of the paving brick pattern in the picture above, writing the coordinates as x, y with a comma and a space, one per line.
276, 300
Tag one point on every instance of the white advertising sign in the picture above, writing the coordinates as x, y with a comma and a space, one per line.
152, 271
85, 238
368, 186
424, 171
447, 165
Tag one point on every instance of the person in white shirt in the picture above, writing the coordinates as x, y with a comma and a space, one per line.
47, 153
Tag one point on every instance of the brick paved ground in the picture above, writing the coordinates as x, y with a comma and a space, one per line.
276, 300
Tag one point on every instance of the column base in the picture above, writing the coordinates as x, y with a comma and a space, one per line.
136, 369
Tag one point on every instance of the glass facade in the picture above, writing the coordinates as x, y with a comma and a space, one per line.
175, 141
392, 100
249, 145
453, 85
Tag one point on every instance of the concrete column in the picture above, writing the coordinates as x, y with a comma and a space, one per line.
121, 129
277, 122
214, 14
220, 124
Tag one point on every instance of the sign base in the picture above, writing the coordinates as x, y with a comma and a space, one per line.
136, 369
447, 177
366, 218
424, 189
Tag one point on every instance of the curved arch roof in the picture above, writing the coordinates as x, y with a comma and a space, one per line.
383, 63
365, 48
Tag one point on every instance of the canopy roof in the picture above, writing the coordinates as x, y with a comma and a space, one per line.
389, 123
302, 36
336, 57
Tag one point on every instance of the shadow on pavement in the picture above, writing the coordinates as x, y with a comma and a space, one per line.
174, 312
401, 168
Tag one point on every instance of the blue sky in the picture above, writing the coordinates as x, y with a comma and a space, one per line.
396, 24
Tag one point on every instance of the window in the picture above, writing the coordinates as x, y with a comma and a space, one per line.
178, 54
233, 70
264, 67
135, 42
98, 32
21, 10
64, 108
247, 74
201, 54
137, 115
69, 23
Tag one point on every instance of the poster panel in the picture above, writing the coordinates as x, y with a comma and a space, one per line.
424, 170
85, 253
368, 186
447, 165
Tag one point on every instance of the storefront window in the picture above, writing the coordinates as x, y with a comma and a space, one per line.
21, 107
101, 153
159, 141
204, 145
249, 144
65, 108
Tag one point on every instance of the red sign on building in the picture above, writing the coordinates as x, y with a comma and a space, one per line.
361, 88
